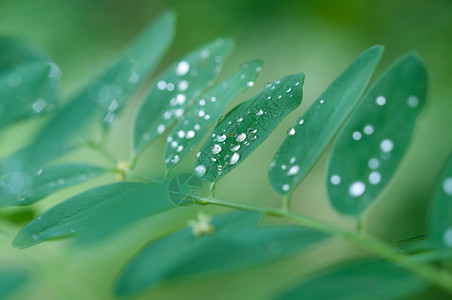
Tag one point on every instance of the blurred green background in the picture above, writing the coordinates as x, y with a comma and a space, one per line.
317, 37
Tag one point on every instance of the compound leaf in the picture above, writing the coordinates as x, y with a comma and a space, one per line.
308, 139
245, 127
366, 279
175, 90
43, 183
235, 243
372, 144
204, 114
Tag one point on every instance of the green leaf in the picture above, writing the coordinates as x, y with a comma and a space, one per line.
371, 145
245, 127
175, 90
95, 207
11, 281
310, 136
118, 84
236, 243
44, 182
28, 82
58, 134
204, 114
440, 219
366, 279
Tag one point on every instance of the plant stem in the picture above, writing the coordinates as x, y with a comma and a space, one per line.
379, 248
286, 202
98, 148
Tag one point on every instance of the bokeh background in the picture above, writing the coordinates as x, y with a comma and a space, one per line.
317, 37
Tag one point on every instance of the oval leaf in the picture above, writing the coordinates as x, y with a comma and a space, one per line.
28, 82
44, 182
367, 279
308, 139
77, 213
245, 127
176, 88
236, 243
441, 210
371, 145
204, 114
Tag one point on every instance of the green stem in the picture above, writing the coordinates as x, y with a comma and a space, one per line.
379, 248
286, 202
98, 148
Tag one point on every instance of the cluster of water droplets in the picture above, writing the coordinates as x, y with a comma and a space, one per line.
229, 143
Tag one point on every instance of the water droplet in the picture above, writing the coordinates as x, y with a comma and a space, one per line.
174, 144
134, 77
235, 148
39, 105
412, 101
180, 148
161, 128
322, 101
202, 102
356, 135
241, 137
374, 177
213, 99
182, 68
239, 120
279, 96
291, 131
183, 85
221, 138
113, 105
179, 112
167, 115
297, 83
190, 134
206, 117
39, 172
198, 154
287, 89
201, 113
293, 159
250, 84
386, 145
368, 129
293, 170
234, 159
161, 85
447, 186
216, 149
259, 112
381, 100
285, 187
357, 189
170, 87
54, 70
61, 181
283, 167
447, 237
181, 134
335, 179
373, 163
301, 122
180, 98
197, 127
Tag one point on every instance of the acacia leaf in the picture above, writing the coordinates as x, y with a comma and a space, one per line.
204, 114
373, 142
175, 89
28, 82
95, 206
43, 183
235, 243
440, 219
245, 127
364, 279
310, 136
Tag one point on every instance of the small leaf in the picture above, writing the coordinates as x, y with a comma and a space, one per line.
366, 279
204, 114
245, 127
236, 243
176, 88
440, 220
117, 85
11, 281
28, 82
19, 189
310, 136
371, 145
77, 213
